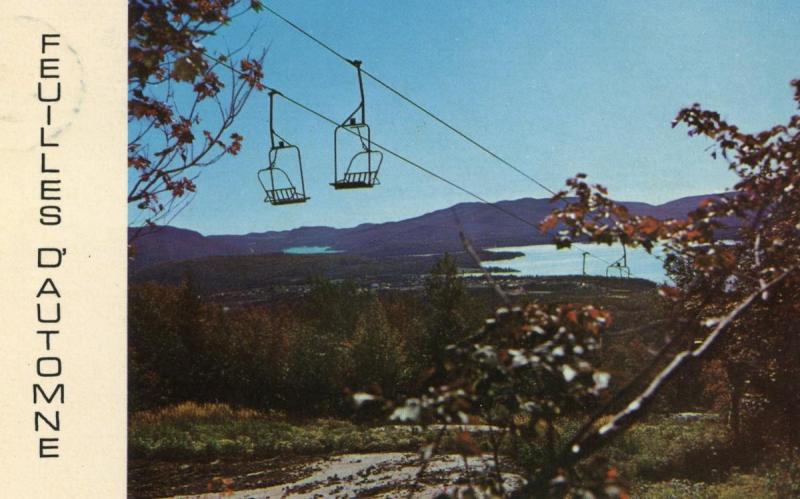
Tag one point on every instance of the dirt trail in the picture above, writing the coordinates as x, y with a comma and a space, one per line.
358, 475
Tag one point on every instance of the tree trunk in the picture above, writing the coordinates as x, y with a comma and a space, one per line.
736, 382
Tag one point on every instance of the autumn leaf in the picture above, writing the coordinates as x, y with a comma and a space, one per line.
465, 445
548, 223
649, 226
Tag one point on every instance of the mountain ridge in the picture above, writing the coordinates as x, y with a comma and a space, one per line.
434, 232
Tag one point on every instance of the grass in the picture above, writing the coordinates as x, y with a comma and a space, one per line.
660, 458
192, 412
663, 447
663, 458
191, 431
666, 458
735, 487
659, 448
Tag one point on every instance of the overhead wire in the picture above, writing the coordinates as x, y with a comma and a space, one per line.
430, 114
417, 165
411, 101
402, 157
386, 149
422, 109
411, 162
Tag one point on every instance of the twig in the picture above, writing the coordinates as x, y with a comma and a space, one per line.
426, 460
475, 258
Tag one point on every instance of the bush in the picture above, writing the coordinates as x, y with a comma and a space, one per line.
377, 352
664, 447
737, 487
189, 431
192, 412
784, 478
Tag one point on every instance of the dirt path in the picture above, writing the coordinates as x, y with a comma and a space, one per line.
356, 475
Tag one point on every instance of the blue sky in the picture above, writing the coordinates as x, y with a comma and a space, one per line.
554, 87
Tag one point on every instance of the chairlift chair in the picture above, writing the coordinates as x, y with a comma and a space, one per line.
362, 169
620, 265
281, 190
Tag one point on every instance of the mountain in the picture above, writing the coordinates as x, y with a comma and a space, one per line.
434, 232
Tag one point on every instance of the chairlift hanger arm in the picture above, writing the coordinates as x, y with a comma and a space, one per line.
272, 133
361, 107
271, 112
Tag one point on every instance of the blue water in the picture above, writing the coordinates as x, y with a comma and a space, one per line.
309, 250
545, 259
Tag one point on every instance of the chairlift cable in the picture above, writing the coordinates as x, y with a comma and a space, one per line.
420, 167
404, 158
458, 132
426, 111
415, 104
413, 163
306, 33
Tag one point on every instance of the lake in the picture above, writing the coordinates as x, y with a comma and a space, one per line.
310, 250
545, 259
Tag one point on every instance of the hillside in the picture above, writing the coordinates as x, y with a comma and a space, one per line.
435, 232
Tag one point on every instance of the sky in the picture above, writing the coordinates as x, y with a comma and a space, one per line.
554, 87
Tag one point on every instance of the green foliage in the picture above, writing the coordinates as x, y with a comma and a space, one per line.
784, 477
317, 369
377, 352
666, 447
333, 308
301, 356
159, 361
319, 361
666, 457
193, 431
183, 349
449, 313
736, 487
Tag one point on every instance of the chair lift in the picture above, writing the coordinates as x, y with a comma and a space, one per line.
620, 265
281, 190
362, 169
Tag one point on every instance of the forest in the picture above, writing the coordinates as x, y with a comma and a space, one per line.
337, 336
577, 386
718, 346
246, 384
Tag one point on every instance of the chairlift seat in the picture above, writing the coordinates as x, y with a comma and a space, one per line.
355, 174
624, 270
282, 191
357, 180
286, 195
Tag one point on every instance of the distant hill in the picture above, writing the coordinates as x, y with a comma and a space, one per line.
433, 233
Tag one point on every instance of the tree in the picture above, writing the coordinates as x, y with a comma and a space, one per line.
181, 107
449, 311
333, 308
739, 299
319, 353
377, 351
160, 361
715, 275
